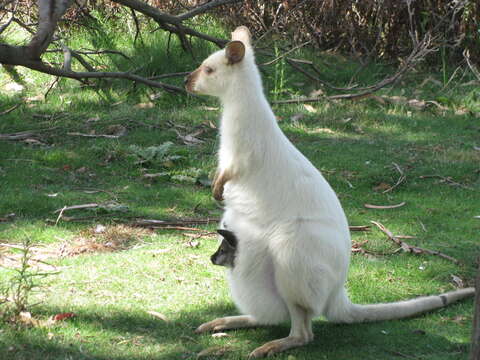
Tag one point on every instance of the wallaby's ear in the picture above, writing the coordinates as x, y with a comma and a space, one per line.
229, 237
242, 34
235, 51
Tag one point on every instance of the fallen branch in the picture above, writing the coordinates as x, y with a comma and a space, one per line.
94, 135
22, 135
76, 207
177, 224
412, 249
360, 228
447, 180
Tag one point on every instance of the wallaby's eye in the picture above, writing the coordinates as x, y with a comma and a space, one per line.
209, 70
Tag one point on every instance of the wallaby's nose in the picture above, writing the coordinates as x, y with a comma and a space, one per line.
185, 79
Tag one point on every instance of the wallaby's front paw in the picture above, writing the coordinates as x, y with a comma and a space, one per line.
218, 192
214, 325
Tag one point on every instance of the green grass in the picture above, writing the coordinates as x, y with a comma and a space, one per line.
111, 292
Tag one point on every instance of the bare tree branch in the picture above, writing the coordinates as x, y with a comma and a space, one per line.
466, 55
50, 11
9, 21
204, 8
418, 53
169, 22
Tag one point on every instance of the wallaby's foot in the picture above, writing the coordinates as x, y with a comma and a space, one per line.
229, 322
277, 346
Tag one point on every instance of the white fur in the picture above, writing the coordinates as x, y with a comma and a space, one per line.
293, 238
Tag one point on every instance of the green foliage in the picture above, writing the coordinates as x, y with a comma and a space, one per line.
19, 282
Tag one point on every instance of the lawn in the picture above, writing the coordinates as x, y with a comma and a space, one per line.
156, 164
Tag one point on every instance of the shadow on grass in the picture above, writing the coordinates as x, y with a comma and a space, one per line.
136, 335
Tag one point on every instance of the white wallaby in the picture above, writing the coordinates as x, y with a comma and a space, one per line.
293, 238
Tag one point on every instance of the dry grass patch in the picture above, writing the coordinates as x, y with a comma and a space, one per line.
104, 239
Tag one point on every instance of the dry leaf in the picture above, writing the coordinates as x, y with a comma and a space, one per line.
382, 187
397, 100
158, 315
26, 318
220, 335
117, 130
379, 99
295, 118
309, 108
459, 319
63, 316
213, 351
316, 93
193, 244
461, 111
93, 119
457, 281
190, 139
33, 142
147, 105
417, 104
437, 104
155, 175
370, 206
40, 97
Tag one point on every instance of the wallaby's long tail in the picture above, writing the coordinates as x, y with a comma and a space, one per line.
344, 311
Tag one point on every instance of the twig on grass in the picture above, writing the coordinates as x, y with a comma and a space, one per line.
22, 135
94, 135
447, 180
75, 207
401, 179
360, 228
370, 206
9, 110
60, 215
409, 248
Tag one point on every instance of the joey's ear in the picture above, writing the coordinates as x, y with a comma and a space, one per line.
242, 34
229, 237
235, 51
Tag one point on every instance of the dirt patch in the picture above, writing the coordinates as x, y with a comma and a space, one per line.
104, 239
96, 239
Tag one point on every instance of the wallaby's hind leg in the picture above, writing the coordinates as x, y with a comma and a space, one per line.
229, 322
300, 334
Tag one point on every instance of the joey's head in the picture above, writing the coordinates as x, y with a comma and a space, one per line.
220, 71
225, 255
